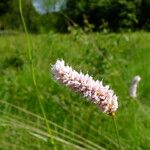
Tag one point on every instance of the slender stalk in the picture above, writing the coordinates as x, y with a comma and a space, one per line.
33, 73
116, 130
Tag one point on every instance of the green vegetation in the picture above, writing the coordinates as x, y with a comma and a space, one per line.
74, 122
110, 15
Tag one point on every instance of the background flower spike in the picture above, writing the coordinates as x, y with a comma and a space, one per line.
134, 85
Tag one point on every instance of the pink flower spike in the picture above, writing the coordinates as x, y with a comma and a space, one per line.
98, 94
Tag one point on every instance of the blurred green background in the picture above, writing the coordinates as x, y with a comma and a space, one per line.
58, 15
108, 39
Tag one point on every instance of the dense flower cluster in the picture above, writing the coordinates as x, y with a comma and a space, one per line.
101, 95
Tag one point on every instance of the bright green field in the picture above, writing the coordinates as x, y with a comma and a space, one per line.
74, 122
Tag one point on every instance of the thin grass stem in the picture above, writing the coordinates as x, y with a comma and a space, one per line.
53, 124
33, 73
116, 130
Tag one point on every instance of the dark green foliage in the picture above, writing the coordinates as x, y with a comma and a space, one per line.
4, 6
117, 14
144, 14
102, 15
14, 61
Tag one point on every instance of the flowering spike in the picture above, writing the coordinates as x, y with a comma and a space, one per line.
101, 95
134, 85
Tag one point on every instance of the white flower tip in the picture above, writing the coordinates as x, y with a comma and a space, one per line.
137, 78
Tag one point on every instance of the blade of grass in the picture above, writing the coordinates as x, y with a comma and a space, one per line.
33, 72
80, 140
15, 124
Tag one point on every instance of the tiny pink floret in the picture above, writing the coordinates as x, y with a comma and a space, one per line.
101, 95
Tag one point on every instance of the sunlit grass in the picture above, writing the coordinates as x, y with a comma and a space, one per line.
75, 123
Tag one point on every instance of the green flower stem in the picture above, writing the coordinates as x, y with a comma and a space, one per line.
116, 130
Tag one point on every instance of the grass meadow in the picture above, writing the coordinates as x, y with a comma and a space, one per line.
75, 123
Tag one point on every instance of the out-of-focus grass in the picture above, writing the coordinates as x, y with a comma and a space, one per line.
75, 123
